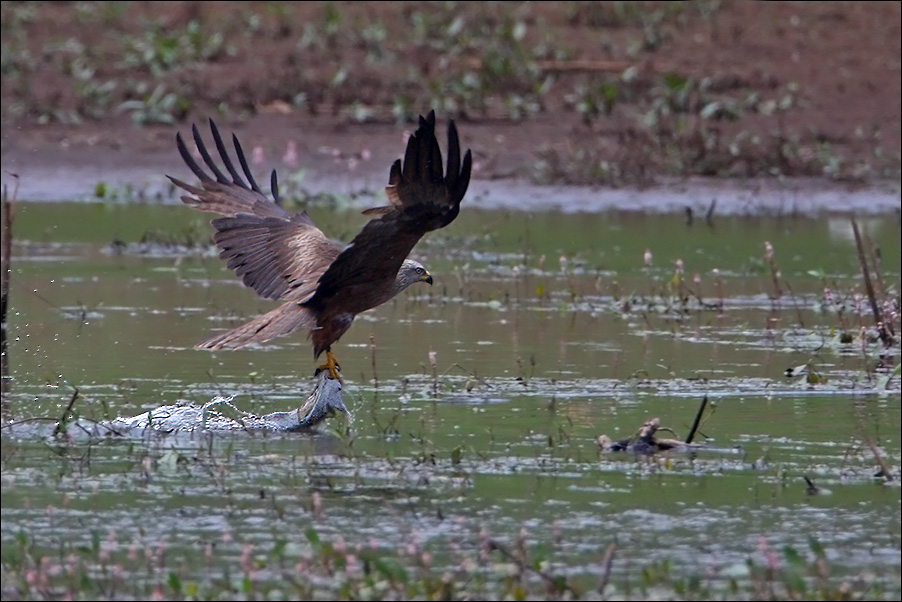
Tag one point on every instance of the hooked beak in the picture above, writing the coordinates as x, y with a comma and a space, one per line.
427, 278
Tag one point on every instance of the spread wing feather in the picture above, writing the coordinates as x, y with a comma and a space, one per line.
280, 256
423, 197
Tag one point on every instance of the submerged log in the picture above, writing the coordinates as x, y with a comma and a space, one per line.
645, 442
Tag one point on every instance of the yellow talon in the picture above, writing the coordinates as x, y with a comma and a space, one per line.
332, 366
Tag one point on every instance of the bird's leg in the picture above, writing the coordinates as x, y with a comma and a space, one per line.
331, 365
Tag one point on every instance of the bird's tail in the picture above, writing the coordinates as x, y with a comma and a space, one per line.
282, 320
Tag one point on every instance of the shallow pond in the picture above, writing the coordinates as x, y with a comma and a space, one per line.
476, 405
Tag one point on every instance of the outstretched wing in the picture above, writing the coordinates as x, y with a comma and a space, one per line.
423, 196
280, 256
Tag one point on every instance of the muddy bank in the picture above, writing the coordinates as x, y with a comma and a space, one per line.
617, 96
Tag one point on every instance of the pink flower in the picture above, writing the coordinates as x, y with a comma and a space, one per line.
246, 561
290, 157
257, 155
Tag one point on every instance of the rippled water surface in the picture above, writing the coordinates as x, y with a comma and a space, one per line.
476, 403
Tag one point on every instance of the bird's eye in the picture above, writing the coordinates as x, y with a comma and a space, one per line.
421, 271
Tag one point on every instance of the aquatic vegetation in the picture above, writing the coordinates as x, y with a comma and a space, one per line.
110, 565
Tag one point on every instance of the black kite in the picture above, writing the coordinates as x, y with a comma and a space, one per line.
284, 257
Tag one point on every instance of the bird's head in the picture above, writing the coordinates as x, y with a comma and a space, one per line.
411, 272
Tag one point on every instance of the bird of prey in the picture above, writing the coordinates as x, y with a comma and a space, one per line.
323, 284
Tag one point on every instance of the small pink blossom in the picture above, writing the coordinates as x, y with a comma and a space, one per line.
246, 560
258, 155
290, 157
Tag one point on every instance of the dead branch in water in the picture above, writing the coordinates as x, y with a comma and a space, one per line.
810, 487
877, 263
9, 215
645, 441
698, 419
607, 563
373, 362
62, 421
885, 472
869, 287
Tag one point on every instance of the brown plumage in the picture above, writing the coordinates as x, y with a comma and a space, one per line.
286, 257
